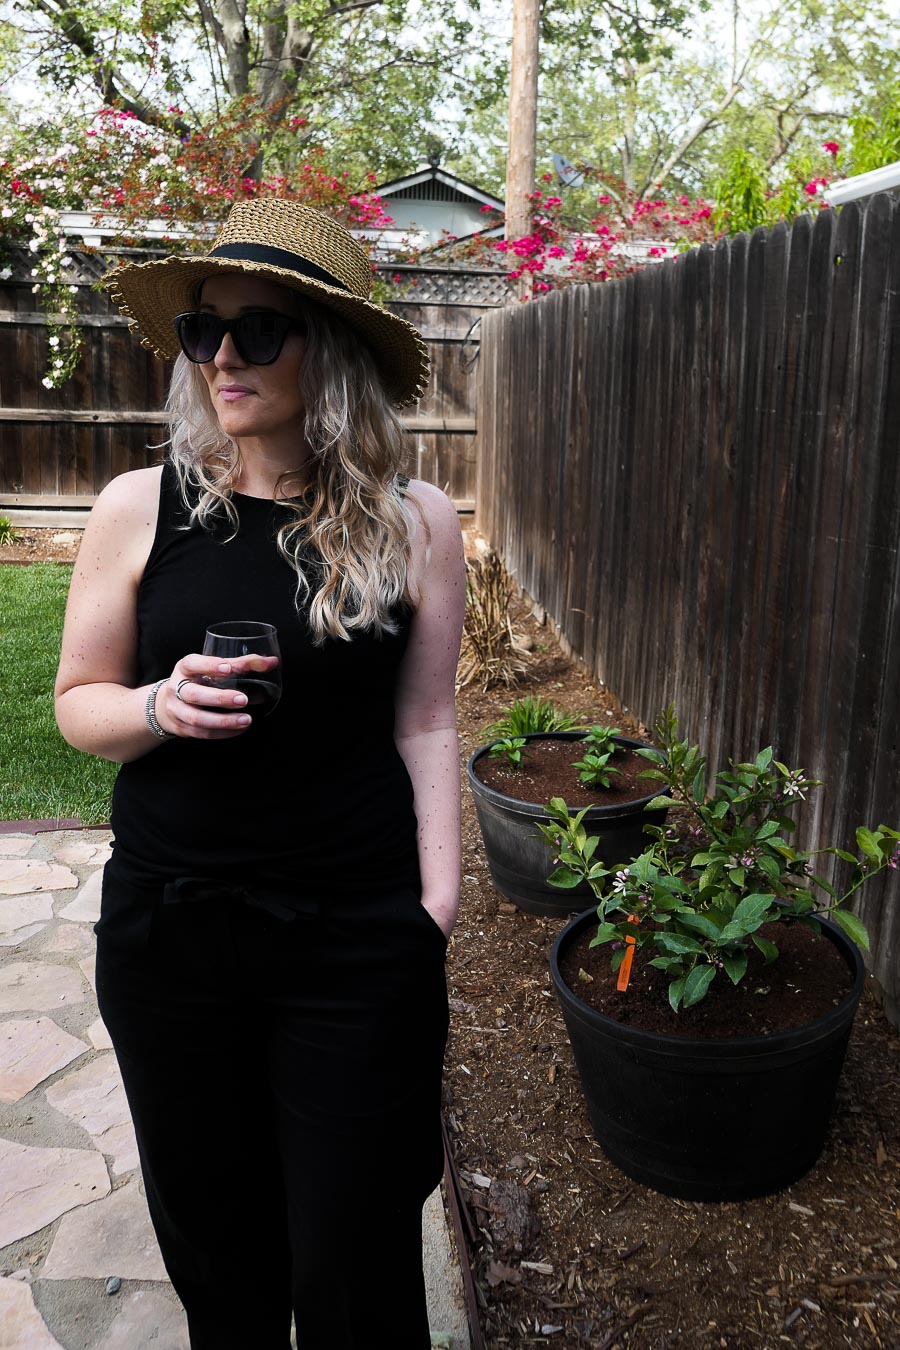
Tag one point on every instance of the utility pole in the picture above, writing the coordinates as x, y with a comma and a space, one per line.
522, 161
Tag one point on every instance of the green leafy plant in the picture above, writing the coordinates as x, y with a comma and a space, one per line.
510, 749
595, 768
530, 715
7, 533
700, 901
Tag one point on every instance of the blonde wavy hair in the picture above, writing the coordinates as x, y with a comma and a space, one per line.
348, 523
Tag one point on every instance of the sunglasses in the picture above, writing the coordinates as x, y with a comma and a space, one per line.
258, 336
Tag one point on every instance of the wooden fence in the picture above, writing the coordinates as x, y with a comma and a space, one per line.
695, 471
58, 448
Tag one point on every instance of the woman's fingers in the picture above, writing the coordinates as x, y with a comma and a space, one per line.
200, 699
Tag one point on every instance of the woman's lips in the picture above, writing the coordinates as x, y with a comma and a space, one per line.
231, 393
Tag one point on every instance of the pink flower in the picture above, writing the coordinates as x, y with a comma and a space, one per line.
831, 147
811, 189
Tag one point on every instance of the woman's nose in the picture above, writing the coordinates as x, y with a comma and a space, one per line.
228, 354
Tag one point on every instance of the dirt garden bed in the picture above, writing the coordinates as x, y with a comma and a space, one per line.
569, 1252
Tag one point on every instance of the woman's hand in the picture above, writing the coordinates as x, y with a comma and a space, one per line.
186, 707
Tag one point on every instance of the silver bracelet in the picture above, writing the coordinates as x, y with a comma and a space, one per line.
150, 712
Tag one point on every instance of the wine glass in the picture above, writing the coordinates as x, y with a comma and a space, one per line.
245, 637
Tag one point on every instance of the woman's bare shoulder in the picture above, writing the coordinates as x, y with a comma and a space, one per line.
132, 493
437, 508
122, 523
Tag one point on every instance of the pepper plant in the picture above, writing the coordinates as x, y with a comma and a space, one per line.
595, 768
699, 900
509, 749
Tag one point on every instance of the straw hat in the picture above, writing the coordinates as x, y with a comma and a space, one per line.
291, 244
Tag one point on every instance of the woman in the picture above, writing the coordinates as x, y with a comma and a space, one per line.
276, 910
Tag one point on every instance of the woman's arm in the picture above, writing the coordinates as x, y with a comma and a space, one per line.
425, 723
98, 706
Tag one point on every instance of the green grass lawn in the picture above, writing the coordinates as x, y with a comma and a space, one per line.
40, 775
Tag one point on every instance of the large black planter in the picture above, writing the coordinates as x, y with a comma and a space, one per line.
709, 1120
517, 853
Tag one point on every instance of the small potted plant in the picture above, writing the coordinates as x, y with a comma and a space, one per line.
535, 753
710, 1044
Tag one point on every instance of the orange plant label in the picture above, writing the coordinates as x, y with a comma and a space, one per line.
625, 967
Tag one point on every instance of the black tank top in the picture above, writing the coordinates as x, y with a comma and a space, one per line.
313, 798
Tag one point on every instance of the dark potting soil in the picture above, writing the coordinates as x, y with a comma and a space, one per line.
808, 980
546, 771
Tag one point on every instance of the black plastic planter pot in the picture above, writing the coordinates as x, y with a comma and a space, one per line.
709, 1120
517, 853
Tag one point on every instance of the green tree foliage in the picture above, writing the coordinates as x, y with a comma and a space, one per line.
876, 132
360, 72
772, 80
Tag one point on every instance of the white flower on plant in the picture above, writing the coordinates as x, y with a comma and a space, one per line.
35, 289
620, 884
34, 245
54, 341
51, 276
6, 274
67, 261
73, 289
47, 382
6, 212
793, 786
29, 219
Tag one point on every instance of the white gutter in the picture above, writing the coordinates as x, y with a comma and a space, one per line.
863, 185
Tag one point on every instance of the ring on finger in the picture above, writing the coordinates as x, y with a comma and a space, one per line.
178, 688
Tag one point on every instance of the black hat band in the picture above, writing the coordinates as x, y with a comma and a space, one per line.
278, 257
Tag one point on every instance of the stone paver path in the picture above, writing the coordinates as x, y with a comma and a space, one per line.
79, 1264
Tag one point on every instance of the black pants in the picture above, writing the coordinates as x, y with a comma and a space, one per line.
284, 1081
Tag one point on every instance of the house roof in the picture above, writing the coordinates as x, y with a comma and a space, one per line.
437, 185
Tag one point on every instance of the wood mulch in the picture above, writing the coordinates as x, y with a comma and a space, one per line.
569, 1252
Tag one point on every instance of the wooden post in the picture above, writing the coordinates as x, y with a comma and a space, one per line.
523, 86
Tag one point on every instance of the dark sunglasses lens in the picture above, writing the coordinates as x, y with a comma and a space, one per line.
260, 337
200, 335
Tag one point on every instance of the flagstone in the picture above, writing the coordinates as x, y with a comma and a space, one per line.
37, 986
15, 845
81, 852
88, 970
37, 1185
86, 905
21, 1325
69, 937
146, 1317
94, 1098
19, 875
21, 916
98, 1035
30, 1051
114, 1236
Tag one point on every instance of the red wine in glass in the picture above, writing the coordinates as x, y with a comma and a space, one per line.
246, 637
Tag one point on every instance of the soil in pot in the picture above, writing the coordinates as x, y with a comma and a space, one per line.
808, 980
546, 771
